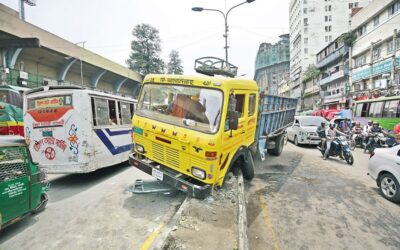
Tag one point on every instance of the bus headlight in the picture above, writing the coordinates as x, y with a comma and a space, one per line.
139, 148
198, 173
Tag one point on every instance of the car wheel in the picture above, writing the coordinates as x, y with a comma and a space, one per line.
389, 187
296, 141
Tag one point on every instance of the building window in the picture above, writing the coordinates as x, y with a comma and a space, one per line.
356, 5
328, 28
330, 38
326, 38
305, 29
350, 5
360, 61
376, 21
326, 18
305, 10
305, 21
390, 46
362, 30
376, 53
328, 8
305, 50
305, 1
305, 40
394, 8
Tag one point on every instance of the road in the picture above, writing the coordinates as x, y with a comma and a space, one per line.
295, 201
93, 211
300, 201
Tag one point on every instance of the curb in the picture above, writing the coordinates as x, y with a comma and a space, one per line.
160, 241
243, 242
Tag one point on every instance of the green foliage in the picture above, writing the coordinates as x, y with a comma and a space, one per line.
146, 49
311, 73
348, 38
174, 65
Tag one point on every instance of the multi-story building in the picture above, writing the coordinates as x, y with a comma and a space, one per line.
313, 25
333, 64
376, 51
272, 64
283, 86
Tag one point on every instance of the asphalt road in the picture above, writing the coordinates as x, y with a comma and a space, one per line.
300, 201
93, 211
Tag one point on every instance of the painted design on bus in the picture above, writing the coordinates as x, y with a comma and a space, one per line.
73, 139
50, 153
109, 145
49, 141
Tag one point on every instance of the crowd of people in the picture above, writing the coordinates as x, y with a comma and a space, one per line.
348, 128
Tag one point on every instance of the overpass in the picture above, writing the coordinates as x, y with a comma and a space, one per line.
58, 61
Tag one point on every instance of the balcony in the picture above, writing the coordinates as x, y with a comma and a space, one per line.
337, 75
333, 57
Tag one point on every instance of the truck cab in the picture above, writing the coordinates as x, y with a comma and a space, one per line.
189, 131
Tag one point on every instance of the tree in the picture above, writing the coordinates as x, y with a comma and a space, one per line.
146, 48
174, 65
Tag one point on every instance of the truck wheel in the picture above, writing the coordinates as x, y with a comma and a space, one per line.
279, 142
247, 166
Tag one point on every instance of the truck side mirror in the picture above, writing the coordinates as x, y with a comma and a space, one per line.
233, 120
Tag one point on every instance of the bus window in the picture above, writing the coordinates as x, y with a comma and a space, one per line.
391, 109
132, 108
364, 111
359, 110
112, 112
125, 112
102, 114
376, 109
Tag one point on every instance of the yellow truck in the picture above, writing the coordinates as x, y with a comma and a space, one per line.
190, 131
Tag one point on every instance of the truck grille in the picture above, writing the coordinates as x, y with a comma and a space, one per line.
158, 152
165, 154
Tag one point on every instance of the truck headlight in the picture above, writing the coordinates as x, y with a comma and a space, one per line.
198, 173
139, 148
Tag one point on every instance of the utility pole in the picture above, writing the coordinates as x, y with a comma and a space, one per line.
22, 7
80, 60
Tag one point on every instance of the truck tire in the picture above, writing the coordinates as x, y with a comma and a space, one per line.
279, 142
248, 167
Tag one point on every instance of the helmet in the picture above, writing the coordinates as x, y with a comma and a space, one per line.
323, 123
370, 122
332, 125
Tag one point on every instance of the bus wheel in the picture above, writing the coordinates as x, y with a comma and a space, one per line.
279, 142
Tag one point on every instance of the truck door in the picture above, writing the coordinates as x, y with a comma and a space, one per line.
14, 183
236, 137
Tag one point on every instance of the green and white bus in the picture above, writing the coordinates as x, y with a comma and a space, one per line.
385, 110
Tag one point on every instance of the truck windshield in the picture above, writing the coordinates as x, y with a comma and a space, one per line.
196, 108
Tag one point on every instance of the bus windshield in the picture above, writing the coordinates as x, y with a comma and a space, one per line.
196, 108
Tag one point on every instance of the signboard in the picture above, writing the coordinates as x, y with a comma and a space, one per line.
53, 102
382, 67
19, 43
360, 74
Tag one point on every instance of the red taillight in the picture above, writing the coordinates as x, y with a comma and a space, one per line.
371, 154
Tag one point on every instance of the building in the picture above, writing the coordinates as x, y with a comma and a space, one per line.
313, 25
58, 61
376, 51
283, 86
272, 64
333, 64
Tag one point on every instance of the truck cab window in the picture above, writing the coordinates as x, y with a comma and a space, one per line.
252, 104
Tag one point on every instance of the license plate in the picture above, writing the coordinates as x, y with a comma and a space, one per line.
157, 174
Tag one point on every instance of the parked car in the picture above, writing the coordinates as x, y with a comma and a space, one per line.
304, 130
23, 184
384, 168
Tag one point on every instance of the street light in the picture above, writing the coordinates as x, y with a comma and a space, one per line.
225, 15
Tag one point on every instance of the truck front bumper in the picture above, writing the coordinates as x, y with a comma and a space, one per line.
192, 187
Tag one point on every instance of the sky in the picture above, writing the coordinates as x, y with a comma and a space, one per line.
106, 26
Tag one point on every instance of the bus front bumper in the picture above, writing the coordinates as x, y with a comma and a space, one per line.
184, 183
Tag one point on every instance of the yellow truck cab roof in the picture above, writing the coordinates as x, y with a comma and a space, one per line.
202, 81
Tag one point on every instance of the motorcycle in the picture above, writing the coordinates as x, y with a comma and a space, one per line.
379, 140
340, 147
359, 140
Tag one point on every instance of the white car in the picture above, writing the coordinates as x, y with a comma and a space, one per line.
304, 130
384, 168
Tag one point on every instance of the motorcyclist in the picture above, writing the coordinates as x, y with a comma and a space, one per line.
373, 130
357, 130
331, 133
321, 133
